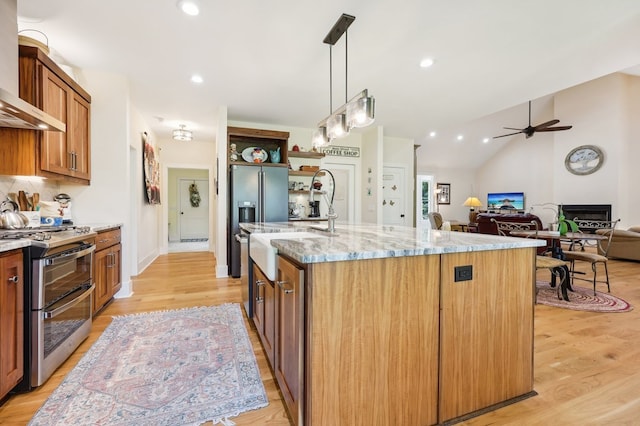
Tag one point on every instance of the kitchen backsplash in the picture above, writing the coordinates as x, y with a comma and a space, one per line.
47, 189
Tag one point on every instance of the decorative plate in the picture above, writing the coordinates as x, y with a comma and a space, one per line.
584, 160
254, 152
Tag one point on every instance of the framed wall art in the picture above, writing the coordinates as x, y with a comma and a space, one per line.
151, 170
444, 193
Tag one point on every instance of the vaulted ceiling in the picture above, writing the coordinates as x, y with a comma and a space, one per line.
266, 62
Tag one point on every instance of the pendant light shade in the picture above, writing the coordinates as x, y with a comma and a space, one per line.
320, 137
337, 126
360, 111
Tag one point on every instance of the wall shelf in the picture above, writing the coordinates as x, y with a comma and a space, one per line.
305, 192
300, 173
306, 154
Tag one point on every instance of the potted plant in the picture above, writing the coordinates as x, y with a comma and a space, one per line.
564, 224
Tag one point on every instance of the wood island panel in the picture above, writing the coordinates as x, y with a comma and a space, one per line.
486, 337
372, 346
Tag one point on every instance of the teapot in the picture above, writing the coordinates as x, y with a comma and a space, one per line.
10, 217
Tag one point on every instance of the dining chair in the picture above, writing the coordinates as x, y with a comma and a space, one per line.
436, 221
603, 227
557, 267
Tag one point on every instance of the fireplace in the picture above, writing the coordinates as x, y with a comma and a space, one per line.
587, 212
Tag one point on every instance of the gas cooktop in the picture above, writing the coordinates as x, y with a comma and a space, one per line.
49, 236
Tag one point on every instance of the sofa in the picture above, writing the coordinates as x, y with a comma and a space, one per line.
486, 226
625, 244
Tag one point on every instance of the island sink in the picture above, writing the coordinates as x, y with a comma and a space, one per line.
266, 256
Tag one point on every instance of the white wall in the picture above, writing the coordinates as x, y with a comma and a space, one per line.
9, 46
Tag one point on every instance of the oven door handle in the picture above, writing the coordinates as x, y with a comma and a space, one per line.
54, 313
70, 256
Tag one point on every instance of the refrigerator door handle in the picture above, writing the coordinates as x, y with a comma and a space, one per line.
261, 196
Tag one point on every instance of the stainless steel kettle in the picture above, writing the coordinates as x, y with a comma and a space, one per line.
10, 217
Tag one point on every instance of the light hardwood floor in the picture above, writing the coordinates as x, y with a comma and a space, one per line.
586, 364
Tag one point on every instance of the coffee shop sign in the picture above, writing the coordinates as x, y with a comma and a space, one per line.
342, 151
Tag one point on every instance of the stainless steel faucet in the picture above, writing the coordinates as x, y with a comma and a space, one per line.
331, 214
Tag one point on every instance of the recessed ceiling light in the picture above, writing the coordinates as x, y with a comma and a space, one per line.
460, 137
432, 134
485, 140
190, 7
426, 62
196, 79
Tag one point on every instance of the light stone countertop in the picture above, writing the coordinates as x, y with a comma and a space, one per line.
7, 245
355, 242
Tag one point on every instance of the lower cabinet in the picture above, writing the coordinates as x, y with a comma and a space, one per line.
289, 367
106, 268
264, 311
11, 321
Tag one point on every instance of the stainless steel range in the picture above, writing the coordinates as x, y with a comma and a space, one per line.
58, 264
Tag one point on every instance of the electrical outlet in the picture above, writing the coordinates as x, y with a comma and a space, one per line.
463, 273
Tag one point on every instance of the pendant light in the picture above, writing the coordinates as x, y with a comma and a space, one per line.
355, 113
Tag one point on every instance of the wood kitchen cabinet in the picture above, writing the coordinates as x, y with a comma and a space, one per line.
11, 320
264, 311
106, 268
58, 155
288, 366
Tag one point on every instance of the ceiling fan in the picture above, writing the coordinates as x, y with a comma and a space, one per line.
530, 130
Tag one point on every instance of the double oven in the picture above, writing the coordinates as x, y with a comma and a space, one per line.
58, 297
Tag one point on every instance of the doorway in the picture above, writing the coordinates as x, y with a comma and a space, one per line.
188, 226
193, 219
425, 199
344, 198
394, 196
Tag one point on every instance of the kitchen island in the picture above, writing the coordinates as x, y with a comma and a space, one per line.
396, 325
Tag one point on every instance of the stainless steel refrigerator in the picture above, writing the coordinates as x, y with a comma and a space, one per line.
256, 194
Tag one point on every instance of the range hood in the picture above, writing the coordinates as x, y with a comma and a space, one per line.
18, 114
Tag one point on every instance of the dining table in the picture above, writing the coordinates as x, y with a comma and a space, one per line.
556, 250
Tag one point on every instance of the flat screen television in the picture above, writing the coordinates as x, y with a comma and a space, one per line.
505, 201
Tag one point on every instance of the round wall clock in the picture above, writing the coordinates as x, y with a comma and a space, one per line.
584, 160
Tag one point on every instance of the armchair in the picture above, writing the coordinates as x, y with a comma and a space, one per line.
624, 244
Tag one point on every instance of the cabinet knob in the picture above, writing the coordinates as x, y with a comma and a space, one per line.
14, 279
286, 290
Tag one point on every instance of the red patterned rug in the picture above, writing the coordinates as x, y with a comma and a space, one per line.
581, 299
179, 367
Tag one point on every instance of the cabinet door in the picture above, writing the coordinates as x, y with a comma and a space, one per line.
115, 268
269, 334
259, 281
55, 102
102, 292
78, 144
289, 327
11, 321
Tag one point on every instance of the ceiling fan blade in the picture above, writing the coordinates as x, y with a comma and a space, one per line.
512, 128
554, 129
545, 125
510, 134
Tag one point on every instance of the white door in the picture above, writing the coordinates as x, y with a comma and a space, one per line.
194, 209
393, 196
344, 199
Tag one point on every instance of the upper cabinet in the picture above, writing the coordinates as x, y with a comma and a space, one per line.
56, 155
270, 146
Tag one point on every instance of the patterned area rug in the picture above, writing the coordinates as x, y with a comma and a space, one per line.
581, 299
182, 367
